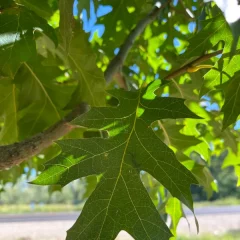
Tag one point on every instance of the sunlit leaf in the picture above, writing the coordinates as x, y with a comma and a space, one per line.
8, 114
17, 43
41, 104
174, 209
232, 101
131, 147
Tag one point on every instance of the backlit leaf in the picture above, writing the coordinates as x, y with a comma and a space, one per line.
120, 202
66, 22
8, 114
231, 107
41, 8
41, 98
17, 43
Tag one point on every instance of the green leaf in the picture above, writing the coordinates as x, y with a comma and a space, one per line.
82, 62
231, 13
172, 136
235, 26
227, 69
119, 21
17, 42
231, 108
120, 202
41, 97
228, 135
186, 90
237, 172
174, 209
41, 8
232, 159
5, 3
190, 128
214, 30
66, 22
227, 65
202, 174
8, 114
80, 59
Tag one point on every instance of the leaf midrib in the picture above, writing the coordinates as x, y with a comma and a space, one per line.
43, 89
234, 104
122, 161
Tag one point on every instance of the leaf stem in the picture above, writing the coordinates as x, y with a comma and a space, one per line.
195, 62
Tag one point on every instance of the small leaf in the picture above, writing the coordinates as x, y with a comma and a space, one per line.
174, 209
171, 134
232, 159
202, 174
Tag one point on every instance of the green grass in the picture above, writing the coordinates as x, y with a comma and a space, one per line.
24, 208
232, 235
17, 209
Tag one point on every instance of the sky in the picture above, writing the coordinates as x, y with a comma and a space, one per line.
90, 22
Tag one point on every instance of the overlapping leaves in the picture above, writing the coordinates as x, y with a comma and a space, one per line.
80, 59
17, 43
217, 31
33, 96
42, 8
41, 98
8, 115
120, 201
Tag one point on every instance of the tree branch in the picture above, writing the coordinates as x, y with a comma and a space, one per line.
117, 62
195, 62
11, 155
14, 154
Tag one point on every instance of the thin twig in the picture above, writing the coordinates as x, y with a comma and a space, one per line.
185, 10
195, 62
117, 62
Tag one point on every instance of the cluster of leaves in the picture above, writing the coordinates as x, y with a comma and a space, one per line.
152, 144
